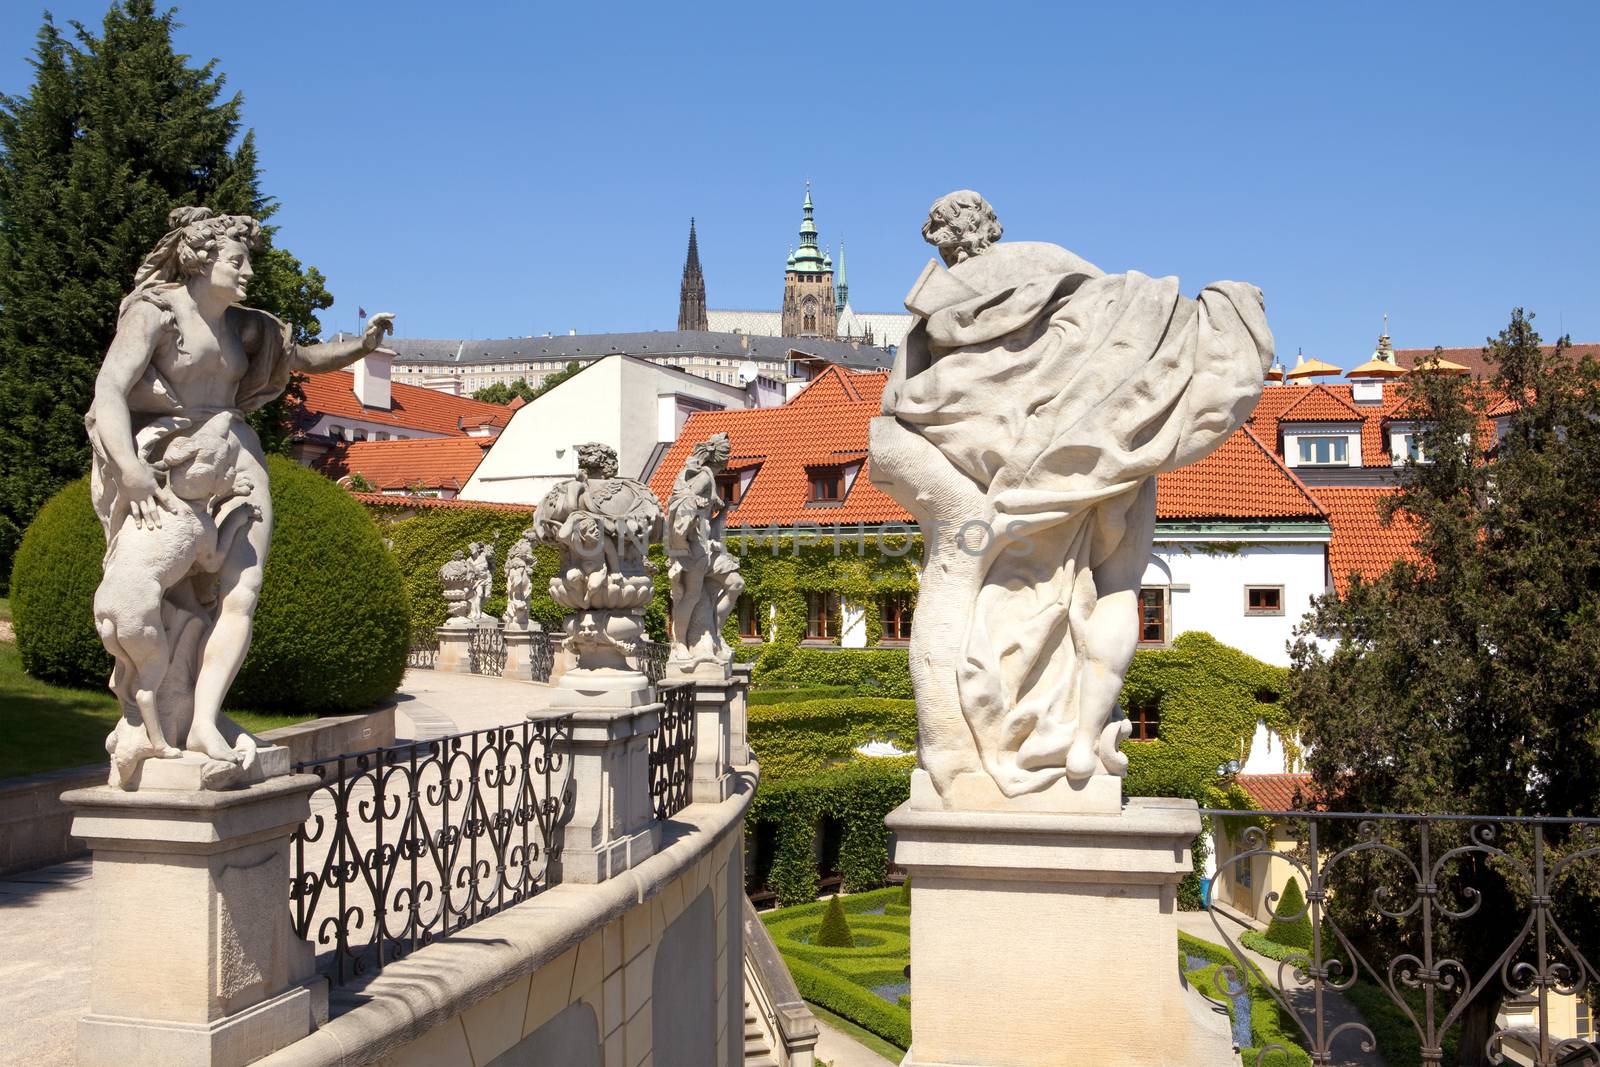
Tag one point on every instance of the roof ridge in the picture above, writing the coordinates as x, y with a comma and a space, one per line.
1284, 468
1322, 387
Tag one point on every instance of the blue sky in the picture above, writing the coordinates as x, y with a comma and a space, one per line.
489, 169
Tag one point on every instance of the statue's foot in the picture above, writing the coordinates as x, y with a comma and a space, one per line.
167, 752
207, 741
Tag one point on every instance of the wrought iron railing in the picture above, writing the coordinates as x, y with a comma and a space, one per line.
1466, 926
424, 648
408, 843
672, 751
487, 651
654, 660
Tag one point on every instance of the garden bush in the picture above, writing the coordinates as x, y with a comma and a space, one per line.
331, 629
835, 929
762, 697
1291, 919
883, 672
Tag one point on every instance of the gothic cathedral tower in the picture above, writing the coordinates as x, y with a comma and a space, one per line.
808, 298
692, 294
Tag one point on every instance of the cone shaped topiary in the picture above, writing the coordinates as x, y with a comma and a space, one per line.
835, 929
1294, 928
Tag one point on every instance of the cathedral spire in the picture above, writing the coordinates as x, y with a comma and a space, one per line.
692, 293
841, 288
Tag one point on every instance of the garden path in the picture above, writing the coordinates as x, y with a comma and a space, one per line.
1336, 1009
432, 703
838, 1049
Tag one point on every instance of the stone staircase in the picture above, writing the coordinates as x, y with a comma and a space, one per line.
757, 1052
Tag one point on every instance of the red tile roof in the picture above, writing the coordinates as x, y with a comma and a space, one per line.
825, 424
1243, 479
411, 408
1472, 358
1321, 404
387, 501
429, 462
1278, 792
1361, 542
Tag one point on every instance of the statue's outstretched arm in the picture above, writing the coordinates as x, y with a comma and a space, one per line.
110, 423
332, 355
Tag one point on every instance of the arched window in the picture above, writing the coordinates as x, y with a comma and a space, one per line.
808, 318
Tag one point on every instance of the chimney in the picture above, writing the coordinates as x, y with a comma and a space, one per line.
372, 379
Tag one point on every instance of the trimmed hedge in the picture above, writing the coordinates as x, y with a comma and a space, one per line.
1291, 919
835, 929
762, 697
859, 795
1268, 1024
808, 736
331, 630
883, 672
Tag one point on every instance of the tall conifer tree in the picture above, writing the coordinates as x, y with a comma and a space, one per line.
117, 129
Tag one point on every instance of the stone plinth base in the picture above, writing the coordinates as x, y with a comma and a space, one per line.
194, 959
519, 653
1101, 795
1051, 939
612, 825
602, 687
192, 771
455, 647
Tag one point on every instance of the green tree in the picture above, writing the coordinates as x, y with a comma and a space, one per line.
501, 393
835, 929
1468, 681
116, 130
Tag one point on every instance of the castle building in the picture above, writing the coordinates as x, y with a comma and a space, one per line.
808, 297
816, 301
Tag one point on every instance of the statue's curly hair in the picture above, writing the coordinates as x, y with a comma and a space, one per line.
970, 216
714, 449
190, 247
597, 460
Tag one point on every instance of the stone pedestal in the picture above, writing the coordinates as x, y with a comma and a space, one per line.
612, 826
1042, 939
194, 958
455, 648
519, 653
739, 716
719, 700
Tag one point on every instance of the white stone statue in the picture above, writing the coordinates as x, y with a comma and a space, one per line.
1029, 409
603, 526
519, 584
456, 581
179, 481
480, 558
705, 576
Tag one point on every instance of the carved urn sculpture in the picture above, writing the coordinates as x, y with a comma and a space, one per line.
456, 580
602, 526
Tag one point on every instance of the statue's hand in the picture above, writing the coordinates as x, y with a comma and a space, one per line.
377, 326
146, 497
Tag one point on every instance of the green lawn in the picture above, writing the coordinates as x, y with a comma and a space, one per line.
48, 727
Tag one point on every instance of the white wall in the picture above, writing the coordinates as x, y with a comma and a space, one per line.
1208, 583
618, 400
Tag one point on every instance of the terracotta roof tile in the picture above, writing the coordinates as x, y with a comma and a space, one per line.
1361, 542
388, 501
1279, 792
430, 462
1319, 403
412, 407
1472, 358
1242, 479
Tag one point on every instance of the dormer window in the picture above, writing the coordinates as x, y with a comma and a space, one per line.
1324, 451
827, 484
728, 488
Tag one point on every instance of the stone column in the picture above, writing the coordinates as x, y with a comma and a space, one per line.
519, 653
739, 716
1050, 938
612, 826
194, 958
455, 649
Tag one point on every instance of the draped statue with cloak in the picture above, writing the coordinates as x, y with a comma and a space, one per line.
1029, 411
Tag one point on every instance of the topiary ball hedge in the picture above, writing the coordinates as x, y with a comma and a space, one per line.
331, 630
53, 579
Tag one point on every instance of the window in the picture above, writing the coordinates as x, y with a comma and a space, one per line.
1406, 444
820, 611
1263, 600
335, 430
1324, 451
827, 484
728, 489
895, 612
809, 317
1146, 720
1585, 1020
749, 618
1153, 616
